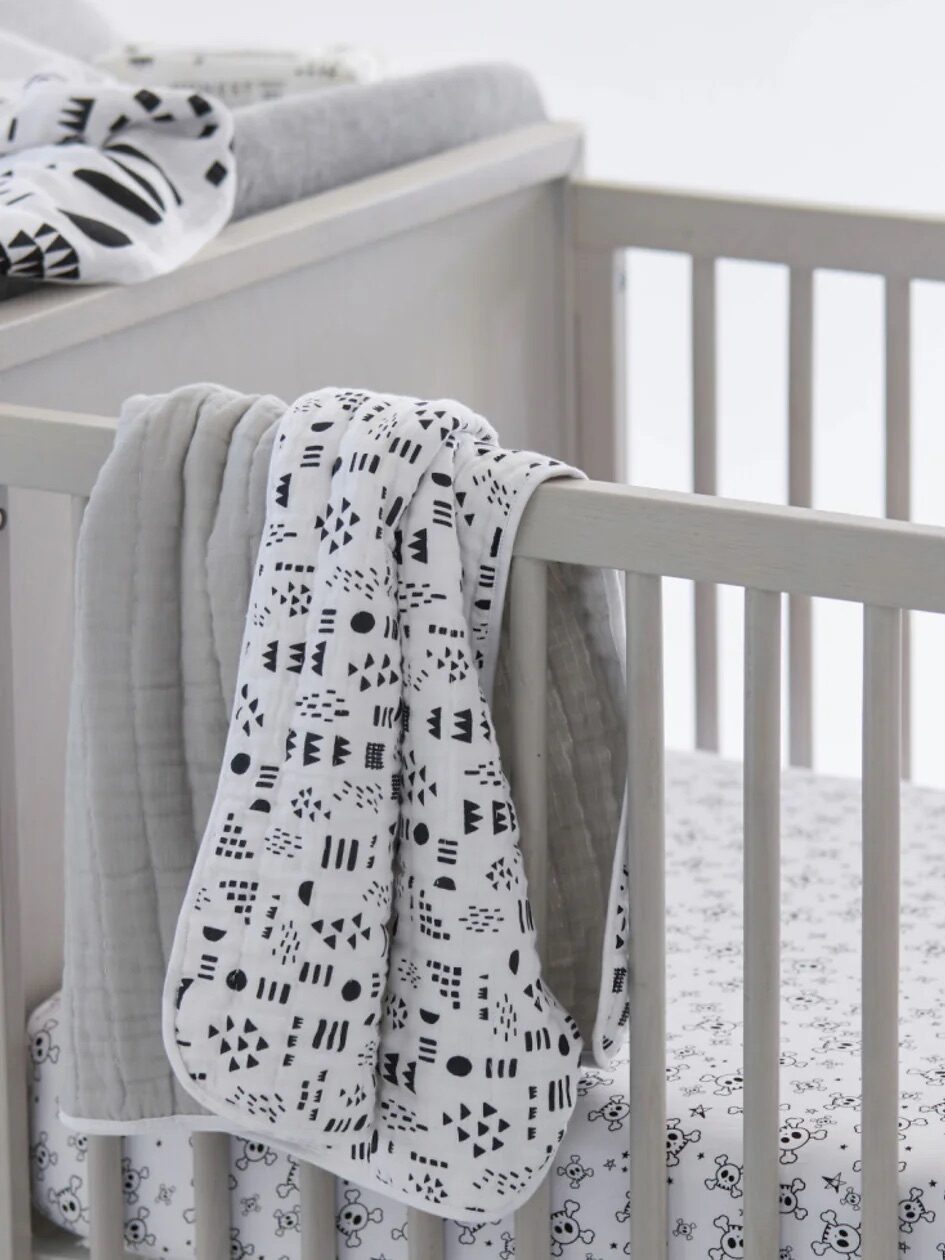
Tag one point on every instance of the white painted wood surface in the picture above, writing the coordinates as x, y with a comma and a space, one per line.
733, 542
762, 918
600, 336
424, 1235
36, 439
898, 433
800, 494
882, 656
211, 1195
705, 443
14, 1137
620, 216
340, 221
528, 623
469, 306
319, 1235
835, 555
106, 1201
646, 865
804, 238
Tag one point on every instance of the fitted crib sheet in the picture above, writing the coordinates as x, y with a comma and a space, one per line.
820, 1086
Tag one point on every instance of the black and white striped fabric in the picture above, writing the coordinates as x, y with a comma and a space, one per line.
104, 182
355, 973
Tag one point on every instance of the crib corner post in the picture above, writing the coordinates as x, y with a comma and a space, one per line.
14, 1131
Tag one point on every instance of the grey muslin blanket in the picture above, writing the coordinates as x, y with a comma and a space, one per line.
165, 562
301, 145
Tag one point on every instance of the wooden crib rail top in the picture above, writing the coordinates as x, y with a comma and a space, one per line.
800, 551
289, 237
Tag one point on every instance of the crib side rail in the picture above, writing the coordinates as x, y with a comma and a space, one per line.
841, 238
767, 551
887, 566
608, 219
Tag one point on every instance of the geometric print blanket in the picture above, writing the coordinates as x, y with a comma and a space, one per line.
355, 973
102, 182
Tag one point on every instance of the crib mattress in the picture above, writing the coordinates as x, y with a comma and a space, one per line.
820, 1086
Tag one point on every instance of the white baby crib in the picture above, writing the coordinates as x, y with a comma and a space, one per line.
888, 567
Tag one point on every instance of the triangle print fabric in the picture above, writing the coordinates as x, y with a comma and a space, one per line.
102, 182
355, 972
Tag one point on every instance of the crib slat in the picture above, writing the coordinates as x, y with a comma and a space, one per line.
106, 1202
528, 599
424, 1236
899, 456
705, 481
800, 494
317, 1195
528, 596
645, 841
211, 1195
14, 1138
882, 649
762, 918
600, 386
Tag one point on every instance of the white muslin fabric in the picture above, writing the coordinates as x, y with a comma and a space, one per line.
101, 181
355, 972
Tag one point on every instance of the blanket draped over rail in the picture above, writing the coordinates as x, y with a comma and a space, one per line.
165, 563
358, 908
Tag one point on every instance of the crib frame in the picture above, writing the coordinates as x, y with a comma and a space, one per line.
889, 567
885, 566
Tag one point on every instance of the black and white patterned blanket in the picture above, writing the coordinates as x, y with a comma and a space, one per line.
104, 182
355, 973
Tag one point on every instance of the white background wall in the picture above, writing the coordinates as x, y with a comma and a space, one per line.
827, 100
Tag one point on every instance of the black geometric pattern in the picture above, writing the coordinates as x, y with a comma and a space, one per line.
361, 887
139, 182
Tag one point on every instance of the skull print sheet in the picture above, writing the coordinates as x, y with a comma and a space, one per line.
820, 1087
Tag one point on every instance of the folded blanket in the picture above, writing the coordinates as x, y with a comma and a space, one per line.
356, 945
302, 145
100, 181
165, 563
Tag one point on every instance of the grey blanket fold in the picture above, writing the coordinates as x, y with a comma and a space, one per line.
165, 561
302, 145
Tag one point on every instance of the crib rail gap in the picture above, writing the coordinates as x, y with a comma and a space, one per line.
317, 1196
106, 1201
645, 852
211, 1195
762, 912
800, 494
882, 658
528, 609
14, 1132
705, 481
898, 339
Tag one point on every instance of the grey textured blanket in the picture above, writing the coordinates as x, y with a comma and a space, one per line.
302, 145
165, 561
